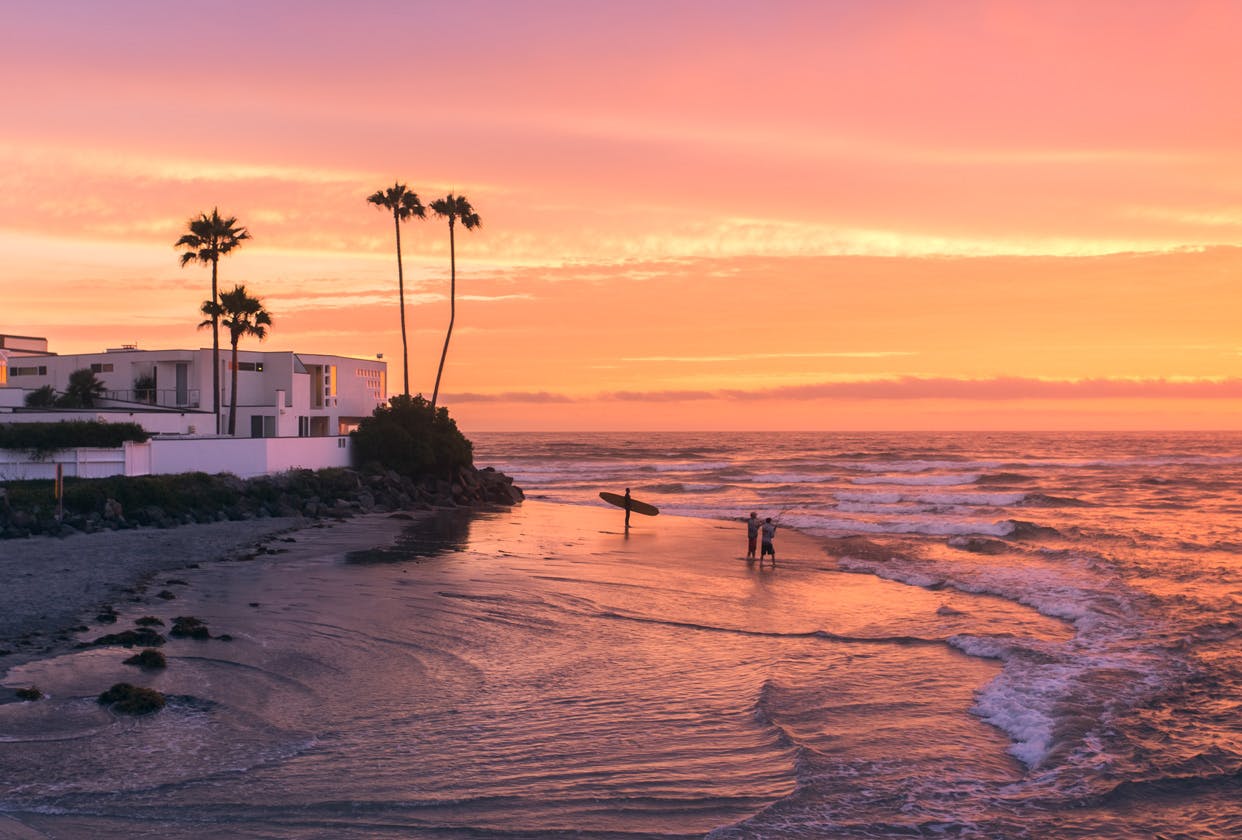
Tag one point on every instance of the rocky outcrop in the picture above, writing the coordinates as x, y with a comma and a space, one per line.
331, 494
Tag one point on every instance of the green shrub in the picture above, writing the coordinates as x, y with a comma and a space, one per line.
410, 438
42, 397
42, 438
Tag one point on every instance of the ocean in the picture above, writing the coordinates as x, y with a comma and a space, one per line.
965, 636
1131, 726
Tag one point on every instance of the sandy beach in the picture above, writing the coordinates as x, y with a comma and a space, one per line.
53, 584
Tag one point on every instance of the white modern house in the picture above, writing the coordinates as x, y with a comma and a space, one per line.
283, 397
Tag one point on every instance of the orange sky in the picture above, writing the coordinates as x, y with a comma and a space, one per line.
744, 215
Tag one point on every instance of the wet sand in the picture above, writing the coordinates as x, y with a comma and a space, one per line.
52, 585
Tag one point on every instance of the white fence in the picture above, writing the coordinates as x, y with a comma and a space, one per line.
244, 457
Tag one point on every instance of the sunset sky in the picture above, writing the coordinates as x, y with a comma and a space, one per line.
696, 215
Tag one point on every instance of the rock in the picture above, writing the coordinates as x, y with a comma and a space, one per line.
149, 621
185, 626
165, 594
113, 511
144, 637
148, 659
32, 693
132, 700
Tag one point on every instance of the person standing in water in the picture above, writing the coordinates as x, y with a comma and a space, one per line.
769, 532
752, 535
627, 508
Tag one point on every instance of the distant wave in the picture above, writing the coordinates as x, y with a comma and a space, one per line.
919, 480
1005, 478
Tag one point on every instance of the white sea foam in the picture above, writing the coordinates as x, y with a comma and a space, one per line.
919, 480
967, 499
833, 526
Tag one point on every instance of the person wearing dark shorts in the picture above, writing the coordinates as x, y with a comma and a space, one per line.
752, 535
769, 531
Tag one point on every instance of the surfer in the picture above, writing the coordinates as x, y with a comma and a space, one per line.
752, 535
628, 505
769, 531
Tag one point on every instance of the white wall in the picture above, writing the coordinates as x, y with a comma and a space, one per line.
17, 465
244, 457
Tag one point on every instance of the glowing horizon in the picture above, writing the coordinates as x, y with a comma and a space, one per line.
779, 215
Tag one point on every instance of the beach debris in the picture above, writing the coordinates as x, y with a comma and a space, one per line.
148, 659
143, 637
187, 626
32, 693
148, 621
128, 699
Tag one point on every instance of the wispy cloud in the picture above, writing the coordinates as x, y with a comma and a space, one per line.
913, 388
748, 357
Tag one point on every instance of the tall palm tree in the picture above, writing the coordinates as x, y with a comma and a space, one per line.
210, 238
456, 209
241, 315
403, 204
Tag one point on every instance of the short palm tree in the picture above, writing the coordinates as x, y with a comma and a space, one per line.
456, 209
403, 204
83, 390
241, 315
210, 238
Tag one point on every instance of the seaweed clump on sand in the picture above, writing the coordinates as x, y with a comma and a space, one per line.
149, 660
32, 693
129, 699
187, 626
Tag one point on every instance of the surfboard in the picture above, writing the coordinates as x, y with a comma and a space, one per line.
635, 505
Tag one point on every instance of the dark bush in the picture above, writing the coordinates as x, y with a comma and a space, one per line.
70, 434
410, 438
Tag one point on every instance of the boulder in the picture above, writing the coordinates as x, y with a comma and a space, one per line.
129, 699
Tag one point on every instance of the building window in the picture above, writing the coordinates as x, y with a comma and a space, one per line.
374, 382
39, 370
252, 366
262, 425
100, 367
303, 427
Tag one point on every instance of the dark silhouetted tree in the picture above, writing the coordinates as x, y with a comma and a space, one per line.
241, 315
403, 204
83, 390
456, 209
210, 238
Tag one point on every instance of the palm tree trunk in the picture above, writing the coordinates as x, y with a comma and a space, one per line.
452, 314
233, 392
215, 347
405, 351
